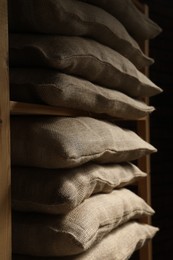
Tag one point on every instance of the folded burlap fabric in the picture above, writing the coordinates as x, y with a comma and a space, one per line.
81, 57
60, 190
74, 18
119, 244
79, 229
62, 142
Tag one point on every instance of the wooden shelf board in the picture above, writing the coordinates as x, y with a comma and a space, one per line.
20, 108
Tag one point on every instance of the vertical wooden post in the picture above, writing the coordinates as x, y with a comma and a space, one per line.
143, 128
5, 206
144, 189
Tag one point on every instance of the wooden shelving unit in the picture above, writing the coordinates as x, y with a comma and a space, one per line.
16, 108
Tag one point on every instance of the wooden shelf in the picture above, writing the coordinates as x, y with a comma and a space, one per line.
20, 108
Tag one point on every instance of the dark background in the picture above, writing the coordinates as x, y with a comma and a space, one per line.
161, 73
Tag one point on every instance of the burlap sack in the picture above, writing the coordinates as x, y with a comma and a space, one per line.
78, 230
81, 57
75, 18
58, 89
59, 191
62, 142
137, 24
118, 244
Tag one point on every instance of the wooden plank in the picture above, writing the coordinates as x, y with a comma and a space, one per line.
144, 187
20, 108
144, 162
5, 206
143, 129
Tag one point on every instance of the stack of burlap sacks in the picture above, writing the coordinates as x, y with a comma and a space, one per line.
71, 176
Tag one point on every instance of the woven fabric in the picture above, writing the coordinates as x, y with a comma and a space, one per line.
75, 18
79, 229
138, 25
59, 191
119, 244
58, 89
81, 57
62, 142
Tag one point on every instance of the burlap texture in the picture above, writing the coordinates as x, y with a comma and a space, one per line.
79, 229
75, 18
137, 24
62, 142
58, 89
117, 245
81, 57
59, 191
